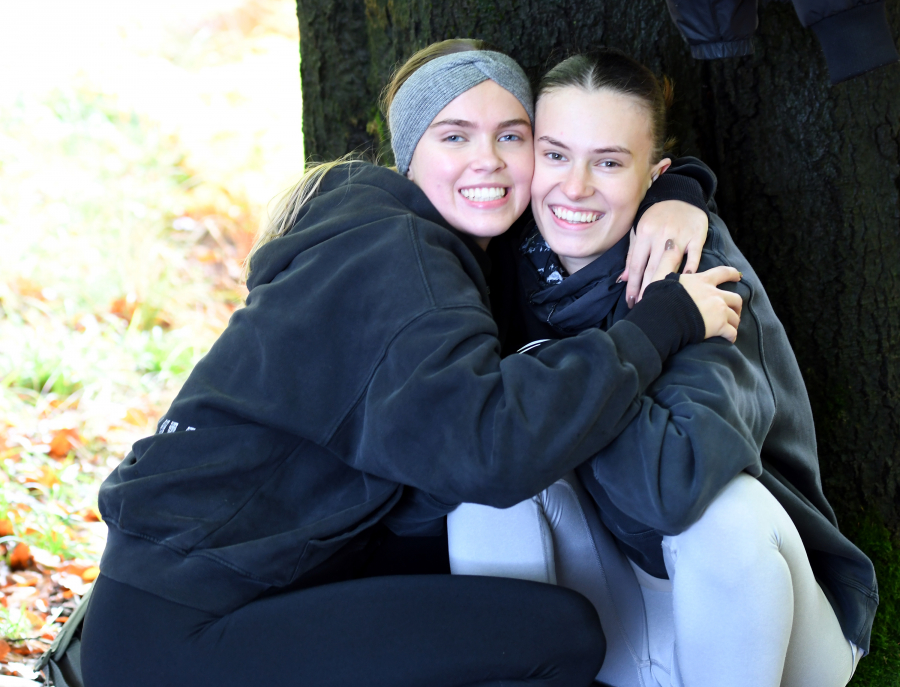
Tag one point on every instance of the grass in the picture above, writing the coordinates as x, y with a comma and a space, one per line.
138, 151
881, 668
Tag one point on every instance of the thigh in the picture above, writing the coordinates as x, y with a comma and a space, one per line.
818, 653
747, 604
433, 630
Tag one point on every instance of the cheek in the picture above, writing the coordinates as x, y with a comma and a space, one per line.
625, 195
540, 182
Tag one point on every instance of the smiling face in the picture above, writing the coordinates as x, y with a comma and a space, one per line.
592, 169
475, 161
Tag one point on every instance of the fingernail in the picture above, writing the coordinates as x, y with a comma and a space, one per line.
630, 300
619, 280
689, 271
670, 244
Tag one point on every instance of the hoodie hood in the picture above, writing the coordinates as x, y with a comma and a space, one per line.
340, 194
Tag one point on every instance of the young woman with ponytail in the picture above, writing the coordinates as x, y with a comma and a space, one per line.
701, 533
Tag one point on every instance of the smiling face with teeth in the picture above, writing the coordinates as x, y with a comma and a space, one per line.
475, 161
592, 168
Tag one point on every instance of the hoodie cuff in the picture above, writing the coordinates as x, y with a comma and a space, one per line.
856, 41
714, 51
672, 186
668, 317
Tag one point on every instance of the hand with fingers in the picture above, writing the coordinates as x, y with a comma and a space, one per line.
666, 232
721, 310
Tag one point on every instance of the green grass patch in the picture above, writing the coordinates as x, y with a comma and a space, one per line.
881, 668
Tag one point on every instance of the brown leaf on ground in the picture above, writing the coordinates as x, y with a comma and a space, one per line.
136, 416
6, 528
90, 574
124, 307
4, 650
49, 477
74, 569
92, 514
63, 441
20, 558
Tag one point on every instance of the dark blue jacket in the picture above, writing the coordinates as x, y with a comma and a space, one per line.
718, 409
854, 34
362, 383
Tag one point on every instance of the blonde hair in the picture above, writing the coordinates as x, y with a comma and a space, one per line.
289, 203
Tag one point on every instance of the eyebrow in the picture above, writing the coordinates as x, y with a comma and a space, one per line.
466, 124
598, 151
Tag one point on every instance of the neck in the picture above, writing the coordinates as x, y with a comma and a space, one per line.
573, 264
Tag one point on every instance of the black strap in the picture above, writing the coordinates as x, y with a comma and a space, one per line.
61, 663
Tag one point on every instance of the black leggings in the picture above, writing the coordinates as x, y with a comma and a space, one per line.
394, 631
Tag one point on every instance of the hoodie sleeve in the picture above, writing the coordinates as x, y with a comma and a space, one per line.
491, 431
688, 179
854, 34
716, 29
702, 422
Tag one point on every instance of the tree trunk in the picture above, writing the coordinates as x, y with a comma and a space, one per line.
809, 180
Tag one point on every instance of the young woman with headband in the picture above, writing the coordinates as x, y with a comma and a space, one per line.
716, 558
361, 395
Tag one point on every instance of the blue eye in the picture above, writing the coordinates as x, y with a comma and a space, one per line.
511, 137
453, 138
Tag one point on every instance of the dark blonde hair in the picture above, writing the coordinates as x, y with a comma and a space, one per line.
613, 70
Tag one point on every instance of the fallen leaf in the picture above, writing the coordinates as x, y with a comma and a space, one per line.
74, 569
36, 619
90, 574
124, 307
135, 416
20, 558
62, 619
4, 649
49, 477
92, 514
61, 444
6, 528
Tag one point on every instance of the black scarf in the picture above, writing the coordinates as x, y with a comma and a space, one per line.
571, 303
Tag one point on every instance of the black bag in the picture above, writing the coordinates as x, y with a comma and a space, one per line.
61, 663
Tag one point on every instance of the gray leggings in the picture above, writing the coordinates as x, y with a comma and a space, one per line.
742, 607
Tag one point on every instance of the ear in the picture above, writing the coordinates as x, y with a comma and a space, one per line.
659, 168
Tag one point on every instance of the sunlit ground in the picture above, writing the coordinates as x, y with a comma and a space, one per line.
139, 146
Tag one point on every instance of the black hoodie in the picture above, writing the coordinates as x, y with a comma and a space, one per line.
362, 380
716, 410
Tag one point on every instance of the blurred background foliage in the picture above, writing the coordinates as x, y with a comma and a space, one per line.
140, 144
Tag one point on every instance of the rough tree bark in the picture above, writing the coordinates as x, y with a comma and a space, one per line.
809, 179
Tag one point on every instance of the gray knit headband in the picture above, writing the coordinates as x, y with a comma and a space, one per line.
431, 88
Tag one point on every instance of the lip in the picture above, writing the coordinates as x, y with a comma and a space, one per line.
573, 226
486, 204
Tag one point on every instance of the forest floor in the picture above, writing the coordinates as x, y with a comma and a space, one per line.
138, 152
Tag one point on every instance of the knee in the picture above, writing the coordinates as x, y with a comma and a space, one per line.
588, 644
738, 528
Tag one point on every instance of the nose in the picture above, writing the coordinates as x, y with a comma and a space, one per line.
576, 185
487, 156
